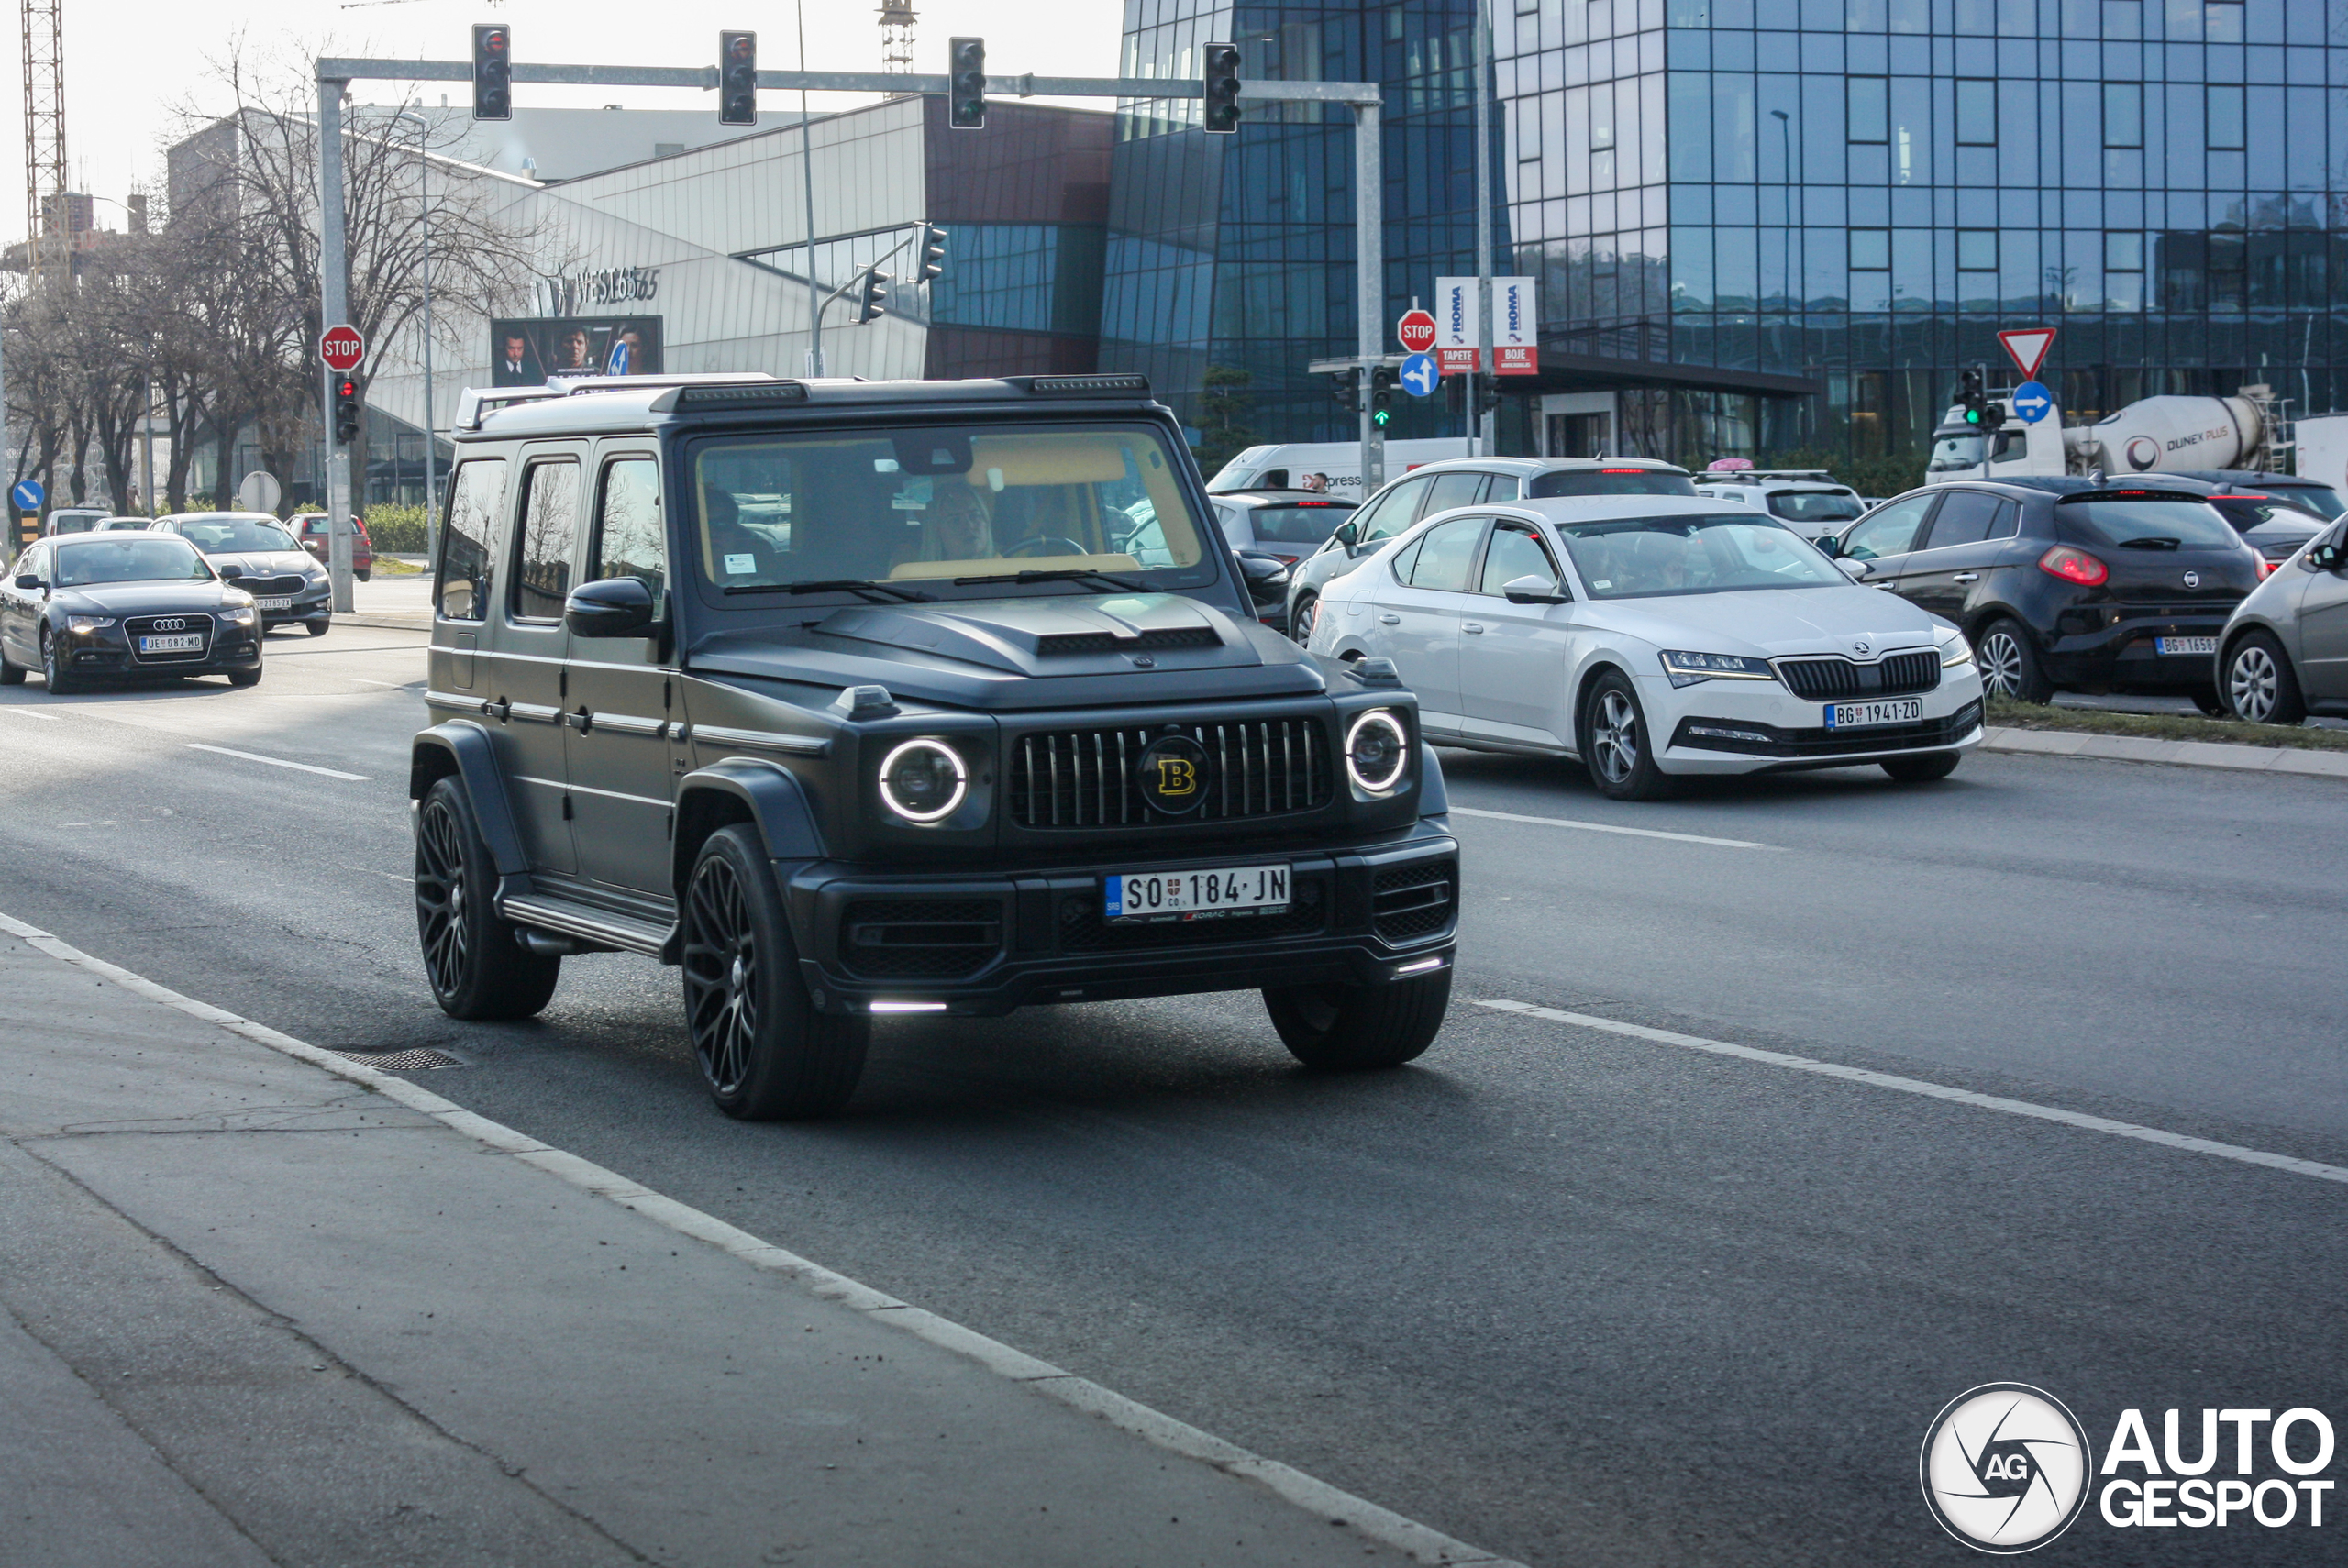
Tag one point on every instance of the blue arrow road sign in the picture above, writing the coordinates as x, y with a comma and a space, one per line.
27, 495
1419, 375
2032, 402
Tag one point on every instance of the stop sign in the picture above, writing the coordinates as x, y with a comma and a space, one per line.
341, 347
1416, 330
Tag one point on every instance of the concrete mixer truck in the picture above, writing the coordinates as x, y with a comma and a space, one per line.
2154, 435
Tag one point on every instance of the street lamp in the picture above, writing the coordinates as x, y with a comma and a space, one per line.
424, 197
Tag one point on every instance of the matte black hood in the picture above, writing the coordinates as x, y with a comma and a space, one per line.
1057, 650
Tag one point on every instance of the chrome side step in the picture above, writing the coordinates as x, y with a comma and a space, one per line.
619, 931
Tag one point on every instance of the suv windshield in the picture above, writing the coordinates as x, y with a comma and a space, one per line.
1642, 558
135, 558
215, 535
924, 507
1609, 481
1815, 506
1953, 452
2163, 523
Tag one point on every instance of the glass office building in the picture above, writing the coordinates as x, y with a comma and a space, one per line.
1763, 224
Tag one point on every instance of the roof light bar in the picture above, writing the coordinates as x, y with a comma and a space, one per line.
1080, 386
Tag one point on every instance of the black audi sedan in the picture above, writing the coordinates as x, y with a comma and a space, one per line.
254, 550
2065, 584
123, 607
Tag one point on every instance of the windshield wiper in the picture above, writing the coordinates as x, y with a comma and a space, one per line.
1062, 574
2150, 541
885, 592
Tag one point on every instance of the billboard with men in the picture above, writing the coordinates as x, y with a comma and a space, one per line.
524, 351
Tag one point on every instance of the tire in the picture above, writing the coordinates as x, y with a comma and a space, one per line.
1615, 745
1353, 1027
2260, 685
1299, 621
319, 627
363, 576
478, 970
1923, 769
2010, 664
60, 683
2210, 701
11, 672
765, 1052
245, 677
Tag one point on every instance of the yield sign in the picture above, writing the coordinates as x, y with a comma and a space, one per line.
1416, 330
2027, 347
341, 347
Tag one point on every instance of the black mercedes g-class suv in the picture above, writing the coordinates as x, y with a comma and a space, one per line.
857, 698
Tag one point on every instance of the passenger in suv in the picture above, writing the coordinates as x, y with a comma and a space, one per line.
1463, 481
856, 699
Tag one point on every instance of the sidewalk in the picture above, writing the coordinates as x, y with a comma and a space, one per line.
2181, 754
254, 1309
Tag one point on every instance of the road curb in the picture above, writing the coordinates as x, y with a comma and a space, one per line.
2181, 754
1373, 1523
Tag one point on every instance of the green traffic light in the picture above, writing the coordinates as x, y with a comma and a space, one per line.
1380, 418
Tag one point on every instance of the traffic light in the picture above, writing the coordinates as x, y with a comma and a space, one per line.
1345, 387
1971, 399
1487, 394
1222, 88
493, 71
967, 100
345, 412
1381, 395
737, 79
872, 296
933, 253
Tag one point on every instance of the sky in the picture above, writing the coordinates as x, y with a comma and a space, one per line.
136, 68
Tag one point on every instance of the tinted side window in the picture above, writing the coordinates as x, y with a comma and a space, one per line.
1453, 490
628, 538
1891, 531
1390, 514
468, 537
1446, 555
2008, 522
1965, 517
548, 534
1514, 553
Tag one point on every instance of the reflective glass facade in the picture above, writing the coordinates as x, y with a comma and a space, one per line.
1763, 225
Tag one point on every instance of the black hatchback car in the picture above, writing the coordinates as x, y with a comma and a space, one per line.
2065, 584
123, 607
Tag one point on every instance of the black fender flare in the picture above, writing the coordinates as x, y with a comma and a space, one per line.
767, 793
464, 749
1434, 801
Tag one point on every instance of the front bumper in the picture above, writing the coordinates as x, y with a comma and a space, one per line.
314, 602
984, 944
1719, 726
107, 655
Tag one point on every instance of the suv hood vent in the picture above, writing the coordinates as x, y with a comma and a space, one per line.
1071, 635
1058, 643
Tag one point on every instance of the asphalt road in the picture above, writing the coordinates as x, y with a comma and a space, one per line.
1574, 1296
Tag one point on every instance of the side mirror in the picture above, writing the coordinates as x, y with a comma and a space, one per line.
614, 607
1347, 535
1266, 576
27, 580
1534, 589
1856, 570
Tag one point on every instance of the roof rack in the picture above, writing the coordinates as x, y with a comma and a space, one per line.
1739, 476
477, 404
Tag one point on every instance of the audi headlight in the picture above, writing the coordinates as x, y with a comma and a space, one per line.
1957, 651
924, 780
1688, 669
1377, 751
86, 624
237, 615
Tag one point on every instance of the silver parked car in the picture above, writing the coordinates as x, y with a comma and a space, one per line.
1465, 481
2284, 654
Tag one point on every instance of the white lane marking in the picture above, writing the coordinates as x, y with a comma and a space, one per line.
1936, 1091
387, 875
278, 762
1609, 827
29, 713
1413, 1540
394, 685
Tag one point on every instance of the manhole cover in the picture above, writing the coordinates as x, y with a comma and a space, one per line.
401, 1061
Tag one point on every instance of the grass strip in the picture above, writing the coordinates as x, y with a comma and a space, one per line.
2006, 712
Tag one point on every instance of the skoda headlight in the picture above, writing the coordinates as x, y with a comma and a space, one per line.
924, 780
1377, 751
1688, 669
1955, 651
86, 624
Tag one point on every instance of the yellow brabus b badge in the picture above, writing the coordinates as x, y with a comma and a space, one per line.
1174, 775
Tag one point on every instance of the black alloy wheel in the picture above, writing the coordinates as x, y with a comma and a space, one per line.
52, 666
319, 627
245, 677
765, 1052
1615, 745
2010, 665
2260, 684
476, 963
1300, 626
1353, 1027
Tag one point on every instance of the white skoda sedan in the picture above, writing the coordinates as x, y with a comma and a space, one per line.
1652, 636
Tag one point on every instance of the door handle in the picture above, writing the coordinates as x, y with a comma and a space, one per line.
579, 721
1472, 627
1390, 620
1968, 577
500, 709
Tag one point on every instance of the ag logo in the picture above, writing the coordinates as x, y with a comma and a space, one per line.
2005, 1468
1174, 775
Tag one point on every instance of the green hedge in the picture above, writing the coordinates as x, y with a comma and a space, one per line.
396, 530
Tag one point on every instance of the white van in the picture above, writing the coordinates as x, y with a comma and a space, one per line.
1332, 467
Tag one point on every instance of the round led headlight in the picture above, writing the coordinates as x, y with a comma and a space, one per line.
1377, 751
924, 780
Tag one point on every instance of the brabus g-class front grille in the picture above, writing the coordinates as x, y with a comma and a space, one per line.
1089, 779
